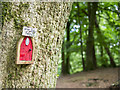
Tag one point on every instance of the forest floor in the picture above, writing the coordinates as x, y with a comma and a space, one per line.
99, 78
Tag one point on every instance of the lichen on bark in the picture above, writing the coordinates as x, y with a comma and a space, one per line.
50, 20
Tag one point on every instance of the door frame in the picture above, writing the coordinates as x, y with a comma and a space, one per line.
18, 52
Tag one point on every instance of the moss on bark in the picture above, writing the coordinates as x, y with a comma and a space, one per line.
50, 20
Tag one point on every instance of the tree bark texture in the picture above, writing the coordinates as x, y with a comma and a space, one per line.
50, 19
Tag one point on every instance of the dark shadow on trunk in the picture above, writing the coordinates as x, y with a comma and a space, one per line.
63, 60
68, 53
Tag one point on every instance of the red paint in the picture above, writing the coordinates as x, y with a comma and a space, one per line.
25, 53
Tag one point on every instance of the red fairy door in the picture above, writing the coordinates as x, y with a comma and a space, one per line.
26, 49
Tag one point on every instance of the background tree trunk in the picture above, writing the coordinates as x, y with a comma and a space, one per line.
63, 60
50, 20
104, 44
67, 47
90, 51
101, 51
80, 30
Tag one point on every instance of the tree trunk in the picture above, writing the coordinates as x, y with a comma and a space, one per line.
50, 20
63, 60
83, 62
80, 30
94, 57
119, 9
101, 50
102, 42
68, 53
110, 56
90, 52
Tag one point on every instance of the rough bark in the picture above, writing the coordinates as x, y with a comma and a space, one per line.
90, 50
50, 20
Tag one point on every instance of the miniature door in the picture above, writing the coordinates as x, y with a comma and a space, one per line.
25, 47
25, 50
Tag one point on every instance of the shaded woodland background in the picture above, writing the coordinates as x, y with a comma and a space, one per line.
91, 42
92, 37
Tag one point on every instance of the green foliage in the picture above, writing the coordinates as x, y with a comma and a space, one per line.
75, 62
108, 17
